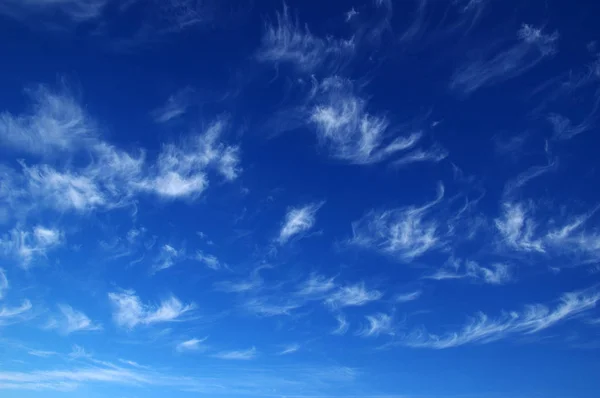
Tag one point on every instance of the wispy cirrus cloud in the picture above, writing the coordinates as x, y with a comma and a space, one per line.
351, 133
288, 42
355, 295
532, 319
209, 260
28, 245
106, 177
191, 345
378, 324
3, 283
495, 274
75, 11
167, 258
406, 297
71, 320
55, 123
176, 106
532, 46
129, 311
316, 286
13, 314
298, 220
404, 233
342, 326
241, 355
289, 349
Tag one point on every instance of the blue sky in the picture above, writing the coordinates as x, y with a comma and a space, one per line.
303, 199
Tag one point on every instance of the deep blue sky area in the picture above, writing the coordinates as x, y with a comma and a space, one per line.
301, 199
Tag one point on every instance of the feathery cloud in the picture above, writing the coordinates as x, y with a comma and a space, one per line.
181, 170
495, 274
290, 349
532, 319
379, 324
176, 106
404, 233
532, 46
298, 220
343, 325
191, 345
56, 123
27, 246
288, 42
209, 260
351, 133
352, 296
9, 314
72, 320
242, 355
406, 297
129, 311
316, 286
3, 283
167, 257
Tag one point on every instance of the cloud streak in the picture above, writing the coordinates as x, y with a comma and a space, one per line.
532, 46
532, 319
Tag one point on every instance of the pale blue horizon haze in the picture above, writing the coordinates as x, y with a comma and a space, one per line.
310, 199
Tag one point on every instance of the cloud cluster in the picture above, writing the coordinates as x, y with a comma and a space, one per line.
59, 127
129, 311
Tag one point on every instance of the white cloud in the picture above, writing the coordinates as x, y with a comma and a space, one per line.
72, 320
208, 260
42, 353
56, 123
264, 306
351, 133
495, 274
129, 311
8, 314
378, 324
78, 352
298, 220
352, 296
191, 345
532, 47
290, 349
316, 286
181, 171
176, 106
405, 233
243, 355
517, 230
3, 283
103, 175
532, 319
28, 246
75, 10
343, 325
410, 296
167, 257
287, 42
